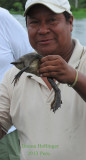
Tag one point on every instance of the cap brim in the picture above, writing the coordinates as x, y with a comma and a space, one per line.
54, 8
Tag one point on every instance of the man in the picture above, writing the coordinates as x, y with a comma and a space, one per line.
43, 134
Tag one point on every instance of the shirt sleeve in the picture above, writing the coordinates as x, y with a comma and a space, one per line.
5, 118
82, 66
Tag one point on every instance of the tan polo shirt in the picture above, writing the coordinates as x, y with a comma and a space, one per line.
45, 135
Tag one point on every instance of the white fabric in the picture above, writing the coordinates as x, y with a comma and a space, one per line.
57, 6
13, 41
45, 135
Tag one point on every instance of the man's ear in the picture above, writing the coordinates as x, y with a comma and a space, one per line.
71, 23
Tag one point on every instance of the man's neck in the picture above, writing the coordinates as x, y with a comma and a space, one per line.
69, 52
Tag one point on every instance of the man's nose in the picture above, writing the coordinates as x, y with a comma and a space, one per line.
43, 28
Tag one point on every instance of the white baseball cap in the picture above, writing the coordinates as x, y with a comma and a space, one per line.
57, 6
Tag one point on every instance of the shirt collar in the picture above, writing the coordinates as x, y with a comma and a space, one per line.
36, 78
76, 55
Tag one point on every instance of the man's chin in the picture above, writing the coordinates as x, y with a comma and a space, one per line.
45, 52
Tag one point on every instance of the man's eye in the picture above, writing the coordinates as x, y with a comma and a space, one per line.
52, 20
33, 22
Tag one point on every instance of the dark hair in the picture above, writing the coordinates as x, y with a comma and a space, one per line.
67, 15
26, 19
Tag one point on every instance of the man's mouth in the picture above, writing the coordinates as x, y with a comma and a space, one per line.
45, 41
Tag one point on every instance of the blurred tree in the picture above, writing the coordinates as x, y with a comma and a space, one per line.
10, 4
6, 4
76, 3
82, 4
17, 6
23, 3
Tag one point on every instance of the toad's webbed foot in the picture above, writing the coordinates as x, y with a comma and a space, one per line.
17, 76
57, 99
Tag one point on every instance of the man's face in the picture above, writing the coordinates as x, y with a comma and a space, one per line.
49, 33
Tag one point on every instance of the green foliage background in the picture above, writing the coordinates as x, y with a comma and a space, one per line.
81, 3
20, 4
17, 5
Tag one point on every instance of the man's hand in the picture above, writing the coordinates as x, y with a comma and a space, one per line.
56, 67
